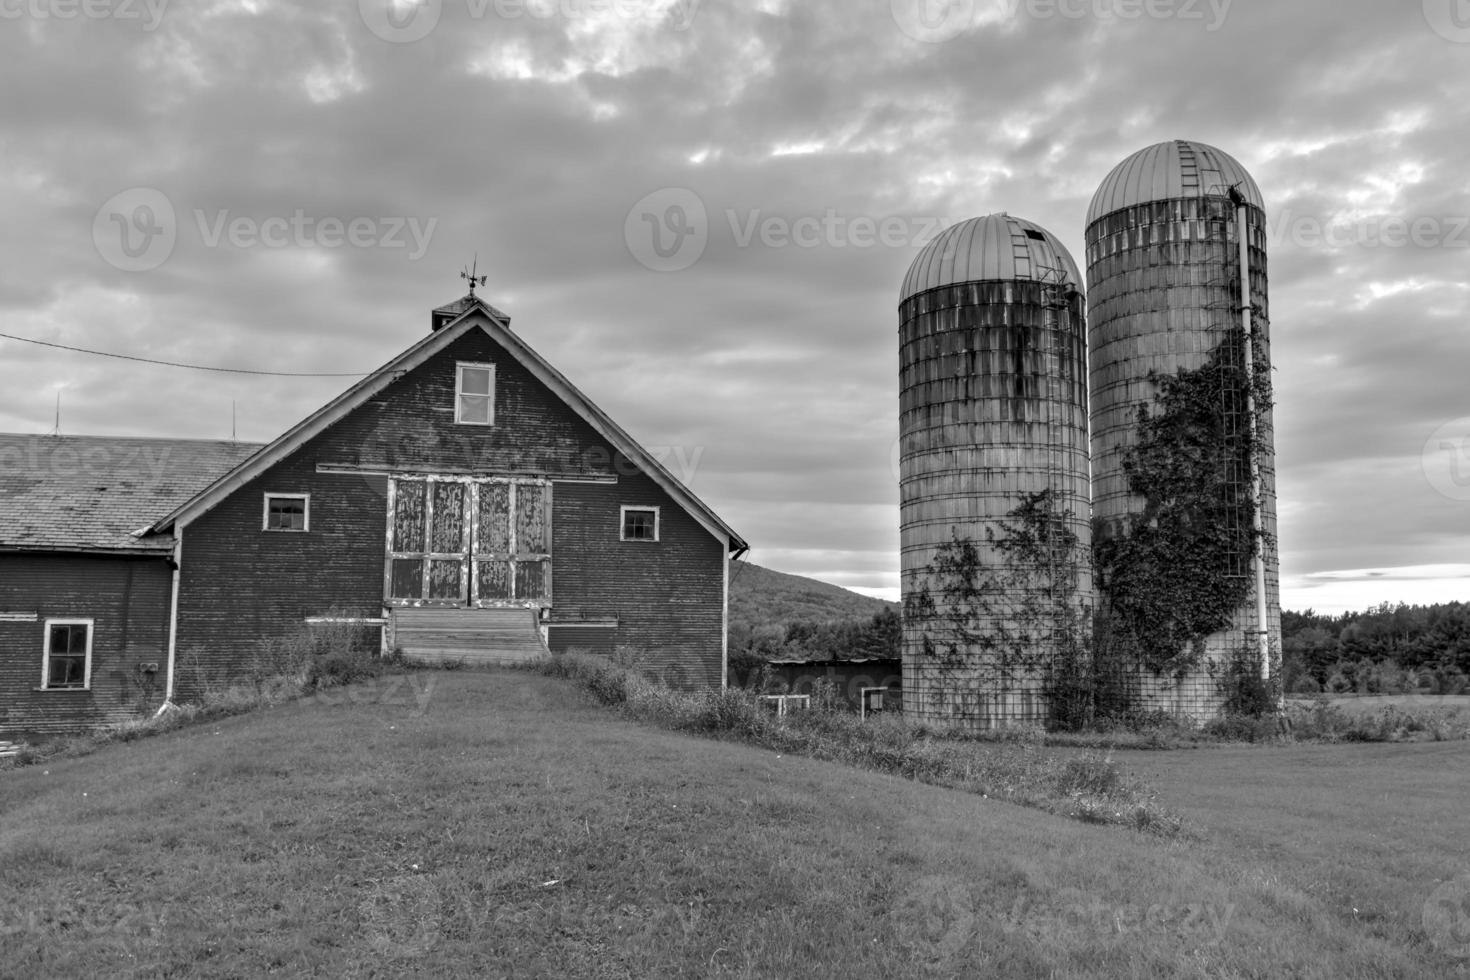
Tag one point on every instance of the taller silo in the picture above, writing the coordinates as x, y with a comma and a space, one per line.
992, 421
1167, 307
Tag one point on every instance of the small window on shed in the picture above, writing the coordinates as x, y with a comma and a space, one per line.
474, 394
67, 659
287, 512
640, 523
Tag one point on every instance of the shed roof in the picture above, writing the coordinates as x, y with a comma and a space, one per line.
91, 493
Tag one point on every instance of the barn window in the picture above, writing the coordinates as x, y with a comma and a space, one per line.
287, 512
474, 394
640, 523
67, 663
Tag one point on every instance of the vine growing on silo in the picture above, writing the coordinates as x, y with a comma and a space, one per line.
992, 626
1175, 571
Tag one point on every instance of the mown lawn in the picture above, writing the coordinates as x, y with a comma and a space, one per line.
513, 829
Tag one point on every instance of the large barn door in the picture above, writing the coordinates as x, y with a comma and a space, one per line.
428, 547
512, 544
458, 542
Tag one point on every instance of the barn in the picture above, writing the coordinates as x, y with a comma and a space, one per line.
465, 500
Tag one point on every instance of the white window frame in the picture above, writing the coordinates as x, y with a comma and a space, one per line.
623, 524
784, 704
265, 512
460, 393
46, 653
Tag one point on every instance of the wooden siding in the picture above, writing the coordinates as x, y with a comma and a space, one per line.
240, 584
127, 599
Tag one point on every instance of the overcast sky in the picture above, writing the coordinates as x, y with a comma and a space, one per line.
701, 212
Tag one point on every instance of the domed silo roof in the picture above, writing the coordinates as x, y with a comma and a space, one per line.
995, 247
1169, 171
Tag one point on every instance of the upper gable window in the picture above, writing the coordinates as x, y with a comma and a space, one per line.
639, 523
474, 394
287, 512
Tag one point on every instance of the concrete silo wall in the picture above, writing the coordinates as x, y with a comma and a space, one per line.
993, 408
1163, 292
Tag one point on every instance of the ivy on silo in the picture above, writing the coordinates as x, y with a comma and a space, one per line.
1176, 570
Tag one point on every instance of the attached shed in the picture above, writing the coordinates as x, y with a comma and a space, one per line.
466, 500
84, 600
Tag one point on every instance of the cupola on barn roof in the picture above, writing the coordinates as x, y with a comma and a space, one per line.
1170, 171
994, 247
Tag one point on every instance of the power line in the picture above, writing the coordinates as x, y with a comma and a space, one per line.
191, 367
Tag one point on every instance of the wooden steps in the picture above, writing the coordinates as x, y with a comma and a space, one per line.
475, 636
8, 749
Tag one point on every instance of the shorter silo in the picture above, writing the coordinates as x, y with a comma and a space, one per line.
992, 420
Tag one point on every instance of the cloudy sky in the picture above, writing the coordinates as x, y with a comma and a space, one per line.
701, 212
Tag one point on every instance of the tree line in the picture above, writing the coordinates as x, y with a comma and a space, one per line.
1388, 649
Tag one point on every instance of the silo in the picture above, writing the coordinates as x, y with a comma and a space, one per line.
1165, 301
992, 414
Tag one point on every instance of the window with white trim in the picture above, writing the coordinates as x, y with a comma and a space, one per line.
287, 512
639, 523
66, 662
474, 394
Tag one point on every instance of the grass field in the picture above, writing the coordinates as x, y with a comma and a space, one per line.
497, 824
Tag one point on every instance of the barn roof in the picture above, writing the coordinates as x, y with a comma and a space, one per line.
92, 493
470, 313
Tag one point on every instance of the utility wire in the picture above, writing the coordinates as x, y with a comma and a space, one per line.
192, 367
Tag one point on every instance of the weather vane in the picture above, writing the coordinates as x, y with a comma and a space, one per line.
470, 274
